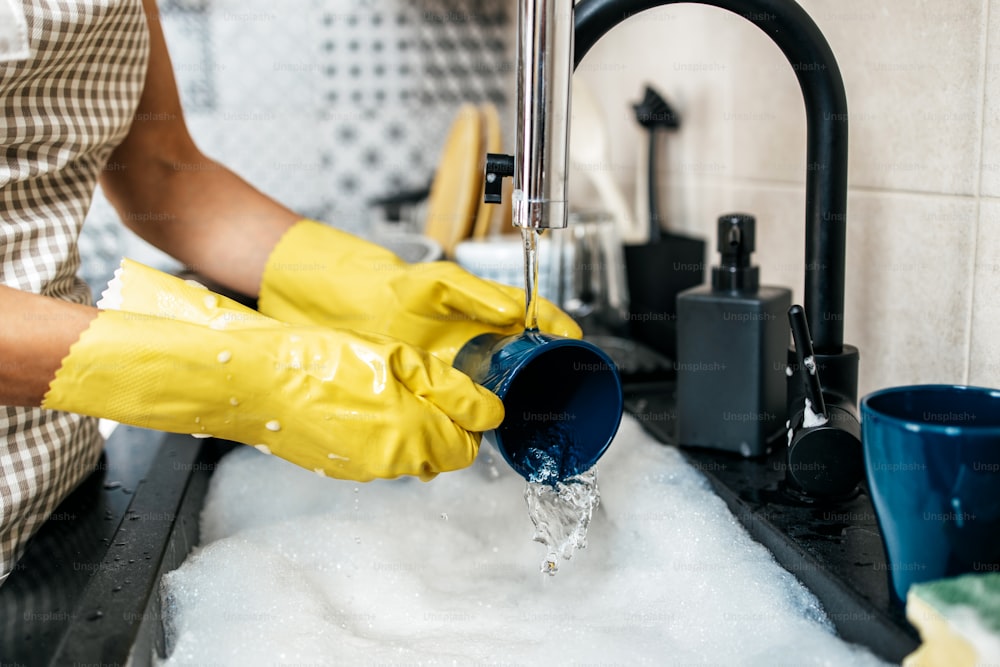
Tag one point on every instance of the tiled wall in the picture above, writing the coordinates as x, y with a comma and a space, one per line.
322, 104
923, 86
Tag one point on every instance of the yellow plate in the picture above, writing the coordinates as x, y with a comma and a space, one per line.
489, 214
458, 183
507, 217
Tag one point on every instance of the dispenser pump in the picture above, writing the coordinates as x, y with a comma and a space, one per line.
732, 346
736, 242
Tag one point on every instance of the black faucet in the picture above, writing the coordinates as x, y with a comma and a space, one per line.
824, 460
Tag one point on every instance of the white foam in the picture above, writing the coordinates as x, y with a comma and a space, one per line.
810, 419
300, 569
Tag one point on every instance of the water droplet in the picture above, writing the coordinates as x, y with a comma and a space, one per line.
197, 420
224, 356
273, 425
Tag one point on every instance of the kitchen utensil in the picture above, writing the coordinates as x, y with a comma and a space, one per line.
932, 459
562, 400
653, 113
668, 263
590, 153
458, 182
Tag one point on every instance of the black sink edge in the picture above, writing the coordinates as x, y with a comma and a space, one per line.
117, 616
855, 619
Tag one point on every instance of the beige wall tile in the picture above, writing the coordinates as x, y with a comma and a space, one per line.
913, 73
667, 48
984, 358
909, 287
990, 184
912, 69
780, 214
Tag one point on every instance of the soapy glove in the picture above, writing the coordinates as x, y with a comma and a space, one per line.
343, 404
319, 275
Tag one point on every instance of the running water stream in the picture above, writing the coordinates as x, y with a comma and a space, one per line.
560, 506
530, 237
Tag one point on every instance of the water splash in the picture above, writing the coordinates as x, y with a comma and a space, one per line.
561, 513
548, 452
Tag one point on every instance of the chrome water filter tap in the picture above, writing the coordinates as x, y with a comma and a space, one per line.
544, 75
540, 164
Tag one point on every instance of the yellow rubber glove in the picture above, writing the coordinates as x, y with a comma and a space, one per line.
319, 275
353, 406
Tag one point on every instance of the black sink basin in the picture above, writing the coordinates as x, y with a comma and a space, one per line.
87, 590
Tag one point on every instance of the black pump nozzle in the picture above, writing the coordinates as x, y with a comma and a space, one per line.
736, 242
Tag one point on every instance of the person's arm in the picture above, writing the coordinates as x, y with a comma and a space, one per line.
36, 333
182, 202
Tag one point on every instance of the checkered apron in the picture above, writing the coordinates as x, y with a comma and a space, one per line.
71, 72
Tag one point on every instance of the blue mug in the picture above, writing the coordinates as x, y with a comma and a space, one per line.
932, 459
562, 400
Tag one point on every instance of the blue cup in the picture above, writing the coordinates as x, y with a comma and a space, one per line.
562, 399
932, 459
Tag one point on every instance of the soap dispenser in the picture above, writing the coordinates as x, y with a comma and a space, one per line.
732, 345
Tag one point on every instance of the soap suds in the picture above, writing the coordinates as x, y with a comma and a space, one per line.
810, 419
300, 569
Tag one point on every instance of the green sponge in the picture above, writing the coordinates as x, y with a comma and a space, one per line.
958, 620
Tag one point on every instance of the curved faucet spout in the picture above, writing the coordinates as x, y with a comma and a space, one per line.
810, 56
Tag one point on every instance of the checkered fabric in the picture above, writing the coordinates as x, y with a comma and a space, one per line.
65, 107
